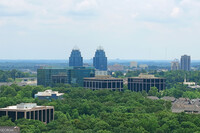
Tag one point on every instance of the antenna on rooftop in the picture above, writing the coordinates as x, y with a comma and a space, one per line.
100, 48
76, 48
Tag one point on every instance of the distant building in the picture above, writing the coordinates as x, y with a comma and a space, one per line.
145, 82
188, 83
153, 97
101, 73
100, 60
185, 63
50, 76
77, 74
116, 67
48, 95
75, 59
143, 66
29, 111
167, 98
103, 82
175, 65
133, 64
186, 105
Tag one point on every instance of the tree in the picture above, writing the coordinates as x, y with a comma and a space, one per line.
5, 121
13, 74
153, 91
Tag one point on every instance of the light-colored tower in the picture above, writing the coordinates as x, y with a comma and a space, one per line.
175, 65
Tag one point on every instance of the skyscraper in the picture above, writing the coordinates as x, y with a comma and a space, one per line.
175, 65
75, 59
100, 60
185, 63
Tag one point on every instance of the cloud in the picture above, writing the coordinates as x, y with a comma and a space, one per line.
175, 12
86, 5
2, 22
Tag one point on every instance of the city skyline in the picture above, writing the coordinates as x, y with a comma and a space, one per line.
130, 29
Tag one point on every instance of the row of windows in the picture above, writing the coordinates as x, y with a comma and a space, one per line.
146, 87
30, 115
147, 80
103, 84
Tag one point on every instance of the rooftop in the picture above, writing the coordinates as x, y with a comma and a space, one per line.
167, 98
147, 76
49, 93
25, 106
104, 77
153, 97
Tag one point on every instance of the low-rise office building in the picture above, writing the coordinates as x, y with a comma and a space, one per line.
48, 95
50, 76
145, 82
103, 82
29, 111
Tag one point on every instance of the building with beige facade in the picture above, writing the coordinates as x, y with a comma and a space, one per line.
29, 111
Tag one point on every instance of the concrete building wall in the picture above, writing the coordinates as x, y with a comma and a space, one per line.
97, 84
45, 115
140, 84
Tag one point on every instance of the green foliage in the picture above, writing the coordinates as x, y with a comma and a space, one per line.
10, 76
134, 73
153, 91
5, 121
101, 111
118, 74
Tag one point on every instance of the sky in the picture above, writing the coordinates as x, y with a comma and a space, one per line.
127, 29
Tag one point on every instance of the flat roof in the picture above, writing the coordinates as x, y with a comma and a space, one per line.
65, 68
103, 78
146, 78
25, 107
49, 93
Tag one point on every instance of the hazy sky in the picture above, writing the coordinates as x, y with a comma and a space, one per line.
127, 29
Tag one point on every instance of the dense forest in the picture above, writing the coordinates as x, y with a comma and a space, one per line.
10, 76
102, 111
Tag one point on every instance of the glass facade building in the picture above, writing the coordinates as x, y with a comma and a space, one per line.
49, 76
72, 75
100, 60
77, 75
75, 59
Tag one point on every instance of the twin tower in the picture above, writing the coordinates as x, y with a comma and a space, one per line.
99, 60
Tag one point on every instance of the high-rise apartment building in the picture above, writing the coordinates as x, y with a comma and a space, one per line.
185, 63
175, 65
100, 60
75, 59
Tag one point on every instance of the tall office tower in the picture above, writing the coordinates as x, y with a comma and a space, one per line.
175, 65
100, 60
185, 63
75, 59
